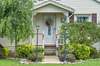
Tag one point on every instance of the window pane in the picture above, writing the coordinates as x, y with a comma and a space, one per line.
82, 18
49, 30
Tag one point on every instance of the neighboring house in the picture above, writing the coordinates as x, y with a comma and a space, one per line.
49, 15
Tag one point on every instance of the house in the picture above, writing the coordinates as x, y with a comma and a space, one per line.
48, 16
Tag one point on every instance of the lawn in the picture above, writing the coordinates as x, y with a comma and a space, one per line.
16, 63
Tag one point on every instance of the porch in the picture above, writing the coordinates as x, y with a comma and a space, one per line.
49, 16
51, 49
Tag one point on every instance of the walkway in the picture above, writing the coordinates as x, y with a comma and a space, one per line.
51, 59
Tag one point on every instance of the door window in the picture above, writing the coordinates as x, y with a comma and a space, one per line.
49, 30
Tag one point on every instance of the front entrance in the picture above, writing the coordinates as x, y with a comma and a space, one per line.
49, 29
50, 34
49, 24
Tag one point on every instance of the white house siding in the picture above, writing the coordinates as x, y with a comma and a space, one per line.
83, 7
97, 45
6, 43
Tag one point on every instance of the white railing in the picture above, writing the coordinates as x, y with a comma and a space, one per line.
59, 40
57, 37
40, 39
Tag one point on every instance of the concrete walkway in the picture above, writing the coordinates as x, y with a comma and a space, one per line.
51, 59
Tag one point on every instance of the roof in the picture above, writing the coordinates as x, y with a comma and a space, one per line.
42, 4
98, 1
78, 6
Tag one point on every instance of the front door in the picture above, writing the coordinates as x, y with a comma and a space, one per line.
49, 30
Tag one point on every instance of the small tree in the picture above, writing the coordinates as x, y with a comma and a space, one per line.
15, 19
86, 32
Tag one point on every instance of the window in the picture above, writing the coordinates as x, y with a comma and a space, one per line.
49, 30
82, 18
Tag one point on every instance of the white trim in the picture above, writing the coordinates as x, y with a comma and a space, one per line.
55, 4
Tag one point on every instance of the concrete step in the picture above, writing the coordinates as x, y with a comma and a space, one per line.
50, 50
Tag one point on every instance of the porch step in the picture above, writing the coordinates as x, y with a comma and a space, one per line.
50, 50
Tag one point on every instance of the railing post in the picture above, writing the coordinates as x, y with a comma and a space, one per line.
57, 44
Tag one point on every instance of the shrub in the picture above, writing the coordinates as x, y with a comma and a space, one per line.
37, 55
93, 52
71, 58
98, 54
61, 53
23, 51
5, 52
61, 50
31, 57
30, 52
82, 51
39, 49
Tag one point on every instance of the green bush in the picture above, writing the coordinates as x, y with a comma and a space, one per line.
23, 51
37, 55
98, 54
81, 51
39, 49
5, 52
81, 32
93, 52
30, 52
71, 58
40, 53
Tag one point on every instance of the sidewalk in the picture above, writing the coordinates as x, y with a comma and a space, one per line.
51, 60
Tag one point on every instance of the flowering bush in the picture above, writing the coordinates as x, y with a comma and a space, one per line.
30, 52
80, 51
24, 50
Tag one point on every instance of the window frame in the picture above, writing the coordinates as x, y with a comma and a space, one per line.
82, 18
85, 15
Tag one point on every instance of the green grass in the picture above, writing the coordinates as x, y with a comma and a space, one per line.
16, 63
